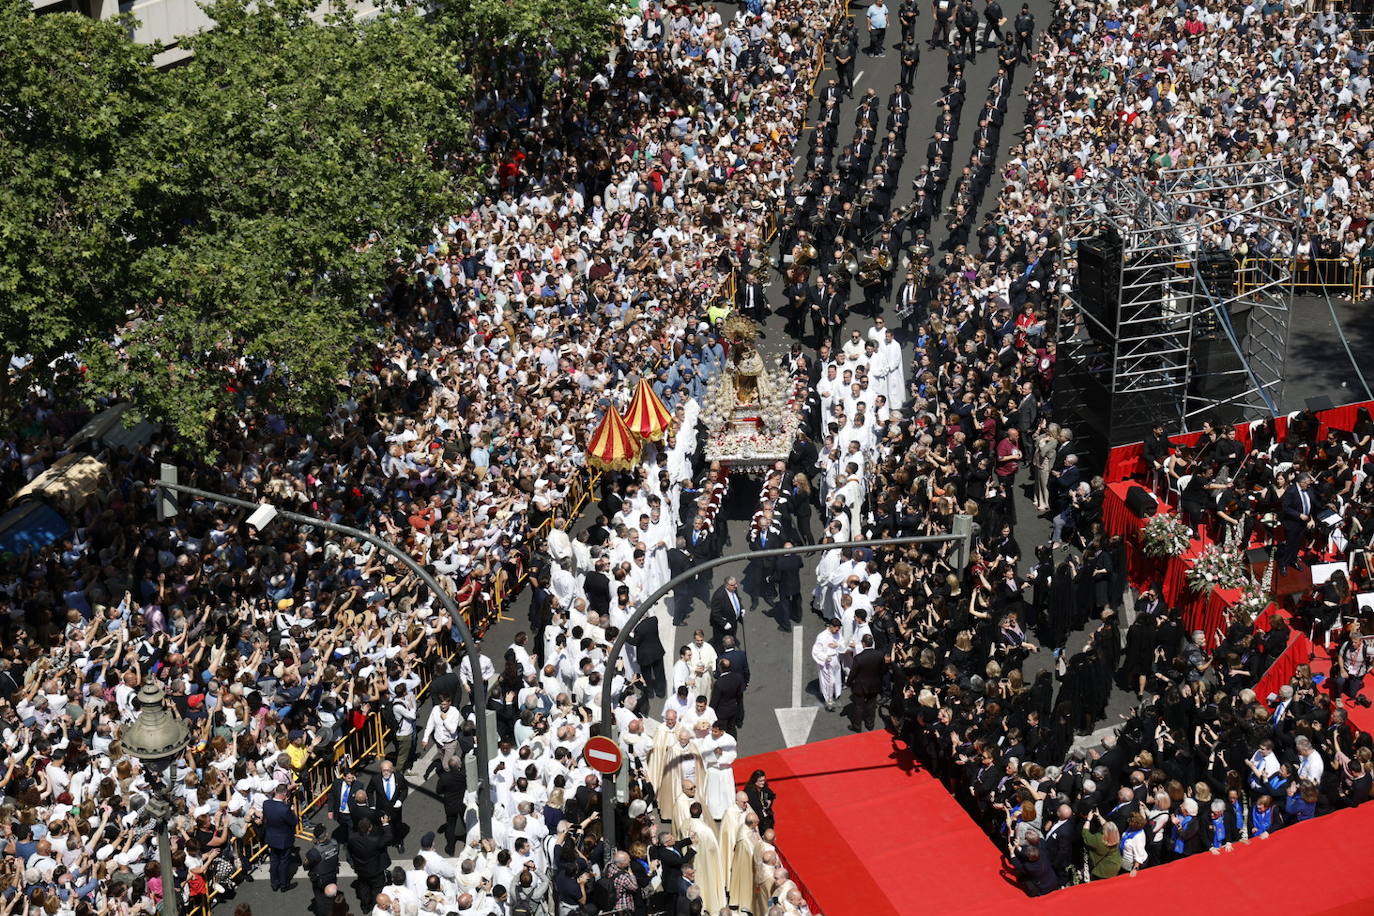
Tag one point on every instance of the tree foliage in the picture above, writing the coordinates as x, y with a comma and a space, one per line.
75, 204
554, 32
294, 158
168, 225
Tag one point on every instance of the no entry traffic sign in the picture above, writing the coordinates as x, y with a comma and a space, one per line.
603, 755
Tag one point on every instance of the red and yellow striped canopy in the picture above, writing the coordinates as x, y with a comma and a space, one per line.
613, 447
647, 417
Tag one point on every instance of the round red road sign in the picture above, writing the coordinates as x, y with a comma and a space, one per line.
603, 755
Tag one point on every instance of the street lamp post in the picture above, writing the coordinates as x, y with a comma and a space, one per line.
479, 687
156, 738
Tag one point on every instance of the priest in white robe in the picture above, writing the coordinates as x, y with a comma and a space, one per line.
739, 884
891, 350
825, 652
709, 863
719, 750
683, 763
665, 739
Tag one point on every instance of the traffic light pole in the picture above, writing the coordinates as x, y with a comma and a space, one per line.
962, 535
167, 507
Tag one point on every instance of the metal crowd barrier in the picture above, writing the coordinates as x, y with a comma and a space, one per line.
1316, 276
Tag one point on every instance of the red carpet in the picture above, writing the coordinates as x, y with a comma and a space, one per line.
864, 835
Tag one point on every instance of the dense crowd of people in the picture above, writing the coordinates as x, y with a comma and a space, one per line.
616, 208
1201, 762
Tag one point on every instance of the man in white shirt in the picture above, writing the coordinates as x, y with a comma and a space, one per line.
1310, 765
445, 723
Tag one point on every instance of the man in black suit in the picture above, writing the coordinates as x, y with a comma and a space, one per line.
726, 612
599, 532
788, 572
279, 832
1298, 506
865, 683
739, 660
751, 299
451, 789
1059, 841
672, 857
679, 561
727, 696
649, 656
388, 792
367, 851
361, 808
596, 585
340, 804
831, 93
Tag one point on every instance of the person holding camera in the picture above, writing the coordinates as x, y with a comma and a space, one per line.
1103, 840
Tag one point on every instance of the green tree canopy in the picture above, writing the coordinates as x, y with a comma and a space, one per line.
75, 204
294, 157
166, 225
551, 32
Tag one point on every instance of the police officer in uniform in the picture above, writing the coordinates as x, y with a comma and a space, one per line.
1024, 27
844, 51
907, 14
322, 865
943, 13
966, 21
911, 59
993, 20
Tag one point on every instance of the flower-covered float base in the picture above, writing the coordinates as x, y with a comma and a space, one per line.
751, 413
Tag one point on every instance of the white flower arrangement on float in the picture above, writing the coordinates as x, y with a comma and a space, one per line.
1165, 535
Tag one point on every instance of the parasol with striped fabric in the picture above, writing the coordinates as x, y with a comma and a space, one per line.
613, 447
647, 417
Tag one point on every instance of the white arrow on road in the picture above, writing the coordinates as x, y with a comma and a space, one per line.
795, 723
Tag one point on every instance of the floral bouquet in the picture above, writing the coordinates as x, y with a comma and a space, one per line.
1165, 535
1218, 568
1253, 600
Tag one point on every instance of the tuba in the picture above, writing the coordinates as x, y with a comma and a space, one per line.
871, 272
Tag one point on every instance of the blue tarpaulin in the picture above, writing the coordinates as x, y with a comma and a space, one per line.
30, 526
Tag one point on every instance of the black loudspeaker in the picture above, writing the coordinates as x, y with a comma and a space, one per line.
1218, 271
1139, 501
1099, 284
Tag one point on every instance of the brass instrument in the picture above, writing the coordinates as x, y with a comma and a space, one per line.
805, 255
846, 263
871, 271
884, 260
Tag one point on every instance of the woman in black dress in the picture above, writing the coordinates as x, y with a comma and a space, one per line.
761, 799
1139, 661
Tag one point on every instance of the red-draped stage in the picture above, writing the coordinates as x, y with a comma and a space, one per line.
863, 834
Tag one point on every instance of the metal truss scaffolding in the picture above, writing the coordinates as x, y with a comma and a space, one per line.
1169, 323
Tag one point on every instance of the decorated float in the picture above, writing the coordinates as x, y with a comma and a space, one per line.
751, 413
